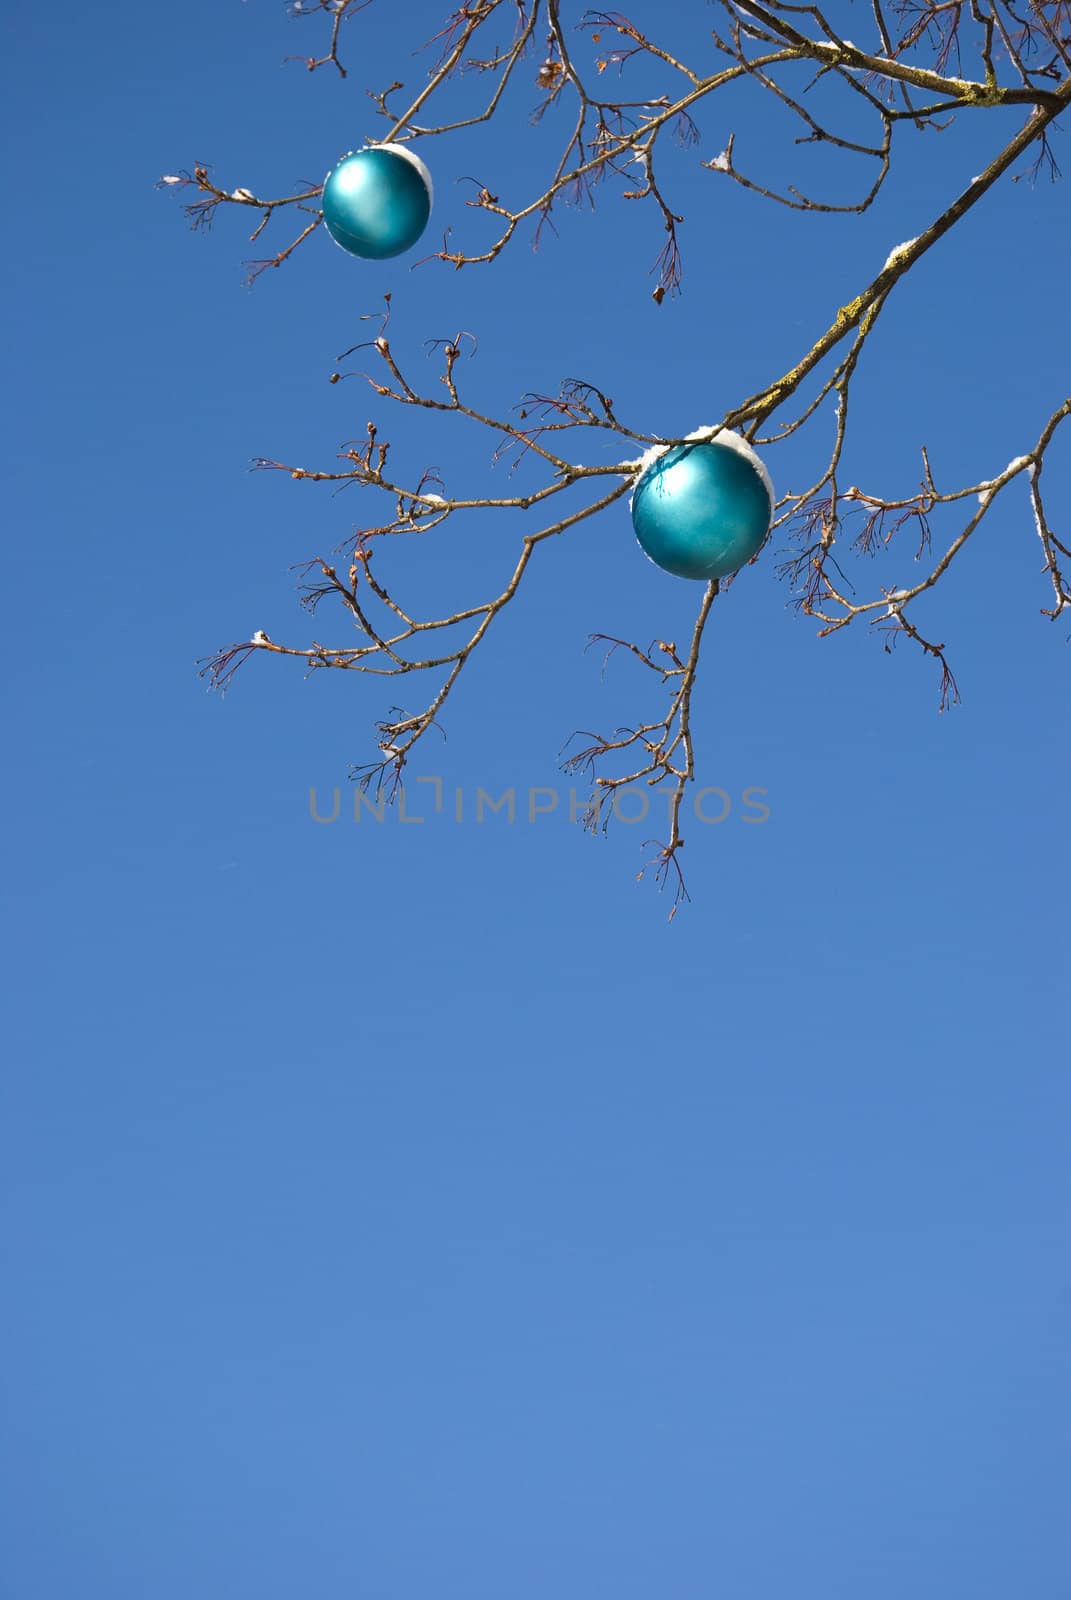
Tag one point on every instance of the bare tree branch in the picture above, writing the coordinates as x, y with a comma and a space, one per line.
931, 61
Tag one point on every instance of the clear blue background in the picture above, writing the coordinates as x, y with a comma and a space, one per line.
411, 1211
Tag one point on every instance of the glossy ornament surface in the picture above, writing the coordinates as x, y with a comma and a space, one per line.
702, 509
377, 201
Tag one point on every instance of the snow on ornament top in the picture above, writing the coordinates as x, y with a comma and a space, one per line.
702, 509
377, 201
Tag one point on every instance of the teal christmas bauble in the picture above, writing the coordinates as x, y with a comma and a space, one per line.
377, 201
703, 508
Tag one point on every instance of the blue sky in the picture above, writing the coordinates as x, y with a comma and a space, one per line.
394, 1211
